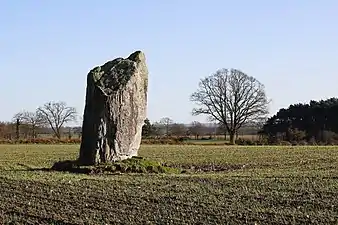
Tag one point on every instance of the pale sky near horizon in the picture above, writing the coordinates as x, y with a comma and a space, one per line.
48, 47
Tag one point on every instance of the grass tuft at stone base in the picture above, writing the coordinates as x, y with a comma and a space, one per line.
132, 165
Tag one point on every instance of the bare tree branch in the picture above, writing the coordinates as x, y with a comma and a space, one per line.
31, 119
166, 122
196, 129
56, 114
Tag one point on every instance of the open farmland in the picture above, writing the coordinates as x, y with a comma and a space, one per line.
225, 185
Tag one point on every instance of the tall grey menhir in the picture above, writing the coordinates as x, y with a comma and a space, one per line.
115, 110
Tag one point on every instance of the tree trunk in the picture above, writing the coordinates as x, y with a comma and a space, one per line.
58, 133
115, 110
17, 129
232, 138
33, 131
167, 130
69, 134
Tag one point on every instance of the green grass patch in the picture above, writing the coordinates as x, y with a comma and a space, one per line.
131, 165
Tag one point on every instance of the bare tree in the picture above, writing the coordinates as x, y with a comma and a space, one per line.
56, 114
17, 119
222, 129
30, 119
157, 129
18, 116
230, 97
196, 129
166, 122
6, 130
178, 129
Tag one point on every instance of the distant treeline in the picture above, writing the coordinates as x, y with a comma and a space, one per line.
315, 122
8, 130
312, 123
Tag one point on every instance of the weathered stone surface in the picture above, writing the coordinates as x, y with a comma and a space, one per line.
115, 110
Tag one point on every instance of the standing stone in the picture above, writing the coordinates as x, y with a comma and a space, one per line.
115, 110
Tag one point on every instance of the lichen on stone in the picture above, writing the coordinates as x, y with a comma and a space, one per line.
97, 74
113, 75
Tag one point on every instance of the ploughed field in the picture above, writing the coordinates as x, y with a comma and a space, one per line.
221, 185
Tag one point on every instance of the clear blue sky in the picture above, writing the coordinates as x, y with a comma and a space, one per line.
48, 47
